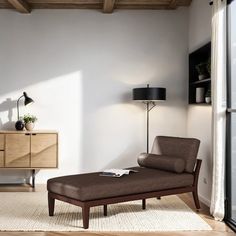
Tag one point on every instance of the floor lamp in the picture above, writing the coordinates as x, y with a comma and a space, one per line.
149, 96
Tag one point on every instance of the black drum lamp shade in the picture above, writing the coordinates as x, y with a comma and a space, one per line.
149, 94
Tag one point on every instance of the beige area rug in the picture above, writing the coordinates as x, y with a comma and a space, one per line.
29, 212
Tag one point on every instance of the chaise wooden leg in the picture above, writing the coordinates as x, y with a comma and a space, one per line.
158, 198
85, 214
51, 205
105, 210
143, 204
196, 200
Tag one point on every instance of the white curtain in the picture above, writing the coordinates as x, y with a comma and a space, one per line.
218, 75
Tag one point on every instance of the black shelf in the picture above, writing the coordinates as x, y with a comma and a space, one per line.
201, 81
199, 56
200, 104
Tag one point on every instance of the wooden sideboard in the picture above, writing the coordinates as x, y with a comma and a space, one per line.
28, 150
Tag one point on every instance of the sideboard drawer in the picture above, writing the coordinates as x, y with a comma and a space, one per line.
1, 159
2, 141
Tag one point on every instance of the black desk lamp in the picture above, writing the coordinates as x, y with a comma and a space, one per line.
19, 124
149, 96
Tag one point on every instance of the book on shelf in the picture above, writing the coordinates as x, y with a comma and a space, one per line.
117, 172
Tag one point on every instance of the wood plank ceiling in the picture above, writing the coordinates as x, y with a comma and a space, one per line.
107, 6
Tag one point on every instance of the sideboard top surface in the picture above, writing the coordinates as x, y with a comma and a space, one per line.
28, 132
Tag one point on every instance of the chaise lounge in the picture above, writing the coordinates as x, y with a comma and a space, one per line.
171, 168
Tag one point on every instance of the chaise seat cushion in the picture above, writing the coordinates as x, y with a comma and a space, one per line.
91, 186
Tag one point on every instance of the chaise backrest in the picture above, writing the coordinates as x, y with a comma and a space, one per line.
184, 148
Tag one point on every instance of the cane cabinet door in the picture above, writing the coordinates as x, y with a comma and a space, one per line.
44, 150
17, 150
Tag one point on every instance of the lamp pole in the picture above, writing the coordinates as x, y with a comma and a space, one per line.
18, 112
148, 109
147, 127
149, 96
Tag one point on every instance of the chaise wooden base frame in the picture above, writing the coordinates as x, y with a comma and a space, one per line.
85, 205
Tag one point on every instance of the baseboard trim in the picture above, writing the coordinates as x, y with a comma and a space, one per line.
207, 202
204, 200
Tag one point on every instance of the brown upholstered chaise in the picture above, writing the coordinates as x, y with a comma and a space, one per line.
88, 190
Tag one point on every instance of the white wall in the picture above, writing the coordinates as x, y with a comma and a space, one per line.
199, 24
80, 67
199, 116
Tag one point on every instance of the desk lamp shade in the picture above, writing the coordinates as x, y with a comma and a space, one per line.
28, 100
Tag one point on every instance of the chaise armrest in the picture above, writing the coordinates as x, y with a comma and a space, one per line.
197, 171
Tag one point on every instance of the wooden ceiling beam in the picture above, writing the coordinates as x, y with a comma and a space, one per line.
108, 6
20, 5
184, 3
143, 2
173, 4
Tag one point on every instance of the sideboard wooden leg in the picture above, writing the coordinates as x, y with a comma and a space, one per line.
33, 178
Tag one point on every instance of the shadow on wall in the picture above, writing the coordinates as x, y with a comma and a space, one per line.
7, 106
124, 160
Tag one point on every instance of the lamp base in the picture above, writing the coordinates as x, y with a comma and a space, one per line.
19, 125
